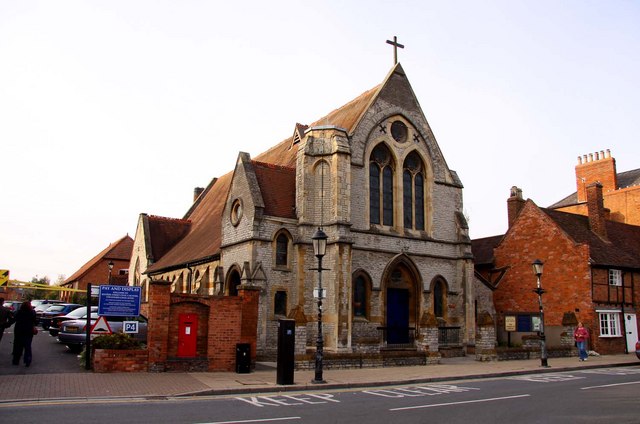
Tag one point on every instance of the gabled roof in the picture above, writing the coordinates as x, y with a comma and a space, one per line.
625, 179
275, 171
278, 186
163, 234
622, 248
119, 250
202, 241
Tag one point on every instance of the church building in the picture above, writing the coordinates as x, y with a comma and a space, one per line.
372, 177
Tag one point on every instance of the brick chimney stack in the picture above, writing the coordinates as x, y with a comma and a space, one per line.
595, 207
514, 204
595, 167
197, 192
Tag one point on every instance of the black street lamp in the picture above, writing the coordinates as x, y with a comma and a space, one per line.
537, 270
110, 264
319, 249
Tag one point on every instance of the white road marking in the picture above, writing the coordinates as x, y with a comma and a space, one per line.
610, 385
263, 420
458, 403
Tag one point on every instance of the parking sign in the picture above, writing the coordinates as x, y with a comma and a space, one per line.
130, 327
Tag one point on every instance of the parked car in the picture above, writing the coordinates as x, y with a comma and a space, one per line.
56, 311
638, 349
80, 313
38, 302
13, 305
73, 333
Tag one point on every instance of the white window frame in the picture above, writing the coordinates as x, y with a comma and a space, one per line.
609, 322
615, 277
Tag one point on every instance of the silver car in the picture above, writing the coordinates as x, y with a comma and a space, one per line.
73, 333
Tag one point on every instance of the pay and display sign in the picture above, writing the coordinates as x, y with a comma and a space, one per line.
122, 301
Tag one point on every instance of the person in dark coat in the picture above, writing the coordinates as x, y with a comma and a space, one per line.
25, 324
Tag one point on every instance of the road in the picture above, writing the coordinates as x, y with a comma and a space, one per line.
605, 395
49, 356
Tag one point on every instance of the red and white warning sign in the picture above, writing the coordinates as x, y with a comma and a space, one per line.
101, 326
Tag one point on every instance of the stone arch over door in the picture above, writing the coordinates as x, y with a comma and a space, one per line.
233, 281
401, 289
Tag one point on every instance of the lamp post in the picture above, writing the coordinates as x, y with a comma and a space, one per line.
110, 264
319, 249
537, 270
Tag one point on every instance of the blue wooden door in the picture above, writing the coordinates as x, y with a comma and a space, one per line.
397, 316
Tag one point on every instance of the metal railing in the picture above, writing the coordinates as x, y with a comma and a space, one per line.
449, 336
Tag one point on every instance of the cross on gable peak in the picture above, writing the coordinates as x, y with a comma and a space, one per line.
395, 45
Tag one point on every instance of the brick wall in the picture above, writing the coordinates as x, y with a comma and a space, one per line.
223, 322
566, 276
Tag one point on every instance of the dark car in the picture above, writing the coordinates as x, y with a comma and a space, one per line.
638, 349
56, 311
38, 302
73, 333
12, 305
80, 313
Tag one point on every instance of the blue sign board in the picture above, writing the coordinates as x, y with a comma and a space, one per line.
120, 301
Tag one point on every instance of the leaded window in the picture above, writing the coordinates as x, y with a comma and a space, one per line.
381, 186
413, 192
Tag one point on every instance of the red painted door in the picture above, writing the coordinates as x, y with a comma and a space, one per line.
187, 336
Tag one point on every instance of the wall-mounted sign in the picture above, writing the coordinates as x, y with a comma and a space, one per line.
510, 323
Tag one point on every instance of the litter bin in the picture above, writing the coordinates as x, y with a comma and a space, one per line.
243, 358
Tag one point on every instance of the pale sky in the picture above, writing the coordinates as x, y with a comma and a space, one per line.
109, 109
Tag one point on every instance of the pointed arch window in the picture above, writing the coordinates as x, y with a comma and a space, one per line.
413, 192
360, 295
439, 300
282, 250
381, 186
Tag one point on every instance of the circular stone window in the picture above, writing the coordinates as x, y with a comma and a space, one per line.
399, 131
236, 211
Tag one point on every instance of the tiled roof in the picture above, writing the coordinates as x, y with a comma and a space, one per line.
278, 186
625, 179
165, 233
275, 171
119, 250
622, 248
349, 115
202, 241
482, 249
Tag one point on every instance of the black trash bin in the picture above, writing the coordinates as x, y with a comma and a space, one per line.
243, 358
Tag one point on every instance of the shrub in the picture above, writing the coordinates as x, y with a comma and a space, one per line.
120, 341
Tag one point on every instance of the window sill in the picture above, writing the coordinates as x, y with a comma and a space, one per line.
610, 337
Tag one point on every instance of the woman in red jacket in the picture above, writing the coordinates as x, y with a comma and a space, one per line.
581, 335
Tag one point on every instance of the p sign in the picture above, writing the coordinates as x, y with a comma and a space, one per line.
130, 327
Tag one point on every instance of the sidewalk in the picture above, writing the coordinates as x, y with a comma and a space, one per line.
81, 386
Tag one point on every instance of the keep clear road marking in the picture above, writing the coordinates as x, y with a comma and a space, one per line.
458, 403
419, 391
289, 400
547, 378
263, 420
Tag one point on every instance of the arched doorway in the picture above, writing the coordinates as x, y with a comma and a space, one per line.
402, 283
233, 282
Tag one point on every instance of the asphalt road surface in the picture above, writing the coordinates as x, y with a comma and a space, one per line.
49, 356
606, 395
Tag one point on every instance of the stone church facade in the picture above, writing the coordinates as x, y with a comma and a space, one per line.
370, 175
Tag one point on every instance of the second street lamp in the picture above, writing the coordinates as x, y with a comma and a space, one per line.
319, 239
537, 270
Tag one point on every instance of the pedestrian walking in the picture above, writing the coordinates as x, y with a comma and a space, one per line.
581, 335
23, 332
5, 317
